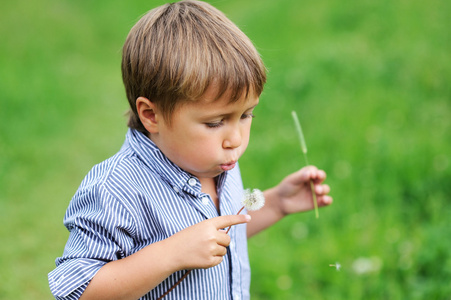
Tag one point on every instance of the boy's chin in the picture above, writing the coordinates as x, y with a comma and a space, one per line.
209, 174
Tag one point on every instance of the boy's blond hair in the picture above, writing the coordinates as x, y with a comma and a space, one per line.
176, 51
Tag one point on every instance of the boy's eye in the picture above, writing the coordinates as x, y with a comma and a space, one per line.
220, 123
249, 115
214, 124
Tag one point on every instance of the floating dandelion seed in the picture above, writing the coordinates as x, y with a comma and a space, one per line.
304, 151
336, 265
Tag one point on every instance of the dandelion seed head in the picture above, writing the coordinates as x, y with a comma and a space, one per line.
253, 200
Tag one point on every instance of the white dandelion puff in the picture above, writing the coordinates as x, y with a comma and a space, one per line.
253, 200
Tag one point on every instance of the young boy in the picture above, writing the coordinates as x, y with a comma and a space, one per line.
157, 208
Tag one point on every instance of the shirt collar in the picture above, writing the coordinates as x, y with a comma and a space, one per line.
153, 158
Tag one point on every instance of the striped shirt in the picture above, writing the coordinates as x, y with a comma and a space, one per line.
139, 197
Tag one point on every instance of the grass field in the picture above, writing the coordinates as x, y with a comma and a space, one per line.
370, 81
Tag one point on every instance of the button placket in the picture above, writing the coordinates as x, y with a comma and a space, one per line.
192, 181
205, 200
201, 201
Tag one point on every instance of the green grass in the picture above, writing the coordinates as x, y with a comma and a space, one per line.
370, 81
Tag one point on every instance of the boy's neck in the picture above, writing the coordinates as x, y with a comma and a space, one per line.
209, 187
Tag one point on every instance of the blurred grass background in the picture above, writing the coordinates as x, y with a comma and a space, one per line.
370, 81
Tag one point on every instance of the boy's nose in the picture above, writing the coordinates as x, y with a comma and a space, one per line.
233, 138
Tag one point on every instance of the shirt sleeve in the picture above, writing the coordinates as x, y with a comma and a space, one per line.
101, 230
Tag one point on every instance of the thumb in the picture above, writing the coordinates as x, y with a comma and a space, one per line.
226, 221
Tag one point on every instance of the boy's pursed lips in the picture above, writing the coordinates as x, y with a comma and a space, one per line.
228, 166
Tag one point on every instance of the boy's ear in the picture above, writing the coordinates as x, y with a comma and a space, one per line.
147, 112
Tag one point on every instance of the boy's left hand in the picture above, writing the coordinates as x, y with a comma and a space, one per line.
294, 191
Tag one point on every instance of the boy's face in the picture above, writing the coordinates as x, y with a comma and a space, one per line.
207, 137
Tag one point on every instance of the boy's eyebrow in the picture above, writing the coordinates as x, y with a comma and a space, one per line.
253, 106
222, 114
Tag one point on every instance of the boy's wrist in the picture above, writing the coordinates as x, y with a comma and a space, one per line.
275, 201
171, 255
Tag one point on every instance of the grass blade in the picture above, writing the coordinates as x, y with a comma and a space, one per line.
304, 151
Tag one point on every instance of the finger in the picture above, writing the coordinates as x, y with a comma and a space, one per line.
226, 221
304, 175
323, 189
216, 260
309, 172
324, 200
223, 238
314, 174
319, 176
221, 251
218, 256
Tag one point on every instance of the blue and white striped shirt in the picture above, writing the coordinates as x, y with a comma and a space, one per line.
139, 197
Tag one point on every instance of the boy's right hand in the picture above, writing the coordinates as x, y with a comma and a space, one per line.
203, 245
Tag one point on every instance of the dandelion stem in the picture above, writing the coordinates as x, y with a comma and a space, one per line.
228, 229
304, 151
187, 272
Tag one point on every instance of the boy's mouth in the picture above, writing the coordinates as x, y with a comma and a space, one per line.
228, 166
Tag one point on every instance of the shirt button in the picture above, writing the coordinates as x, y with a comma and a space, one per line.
236, 297
205, 200
192, 181
176, 189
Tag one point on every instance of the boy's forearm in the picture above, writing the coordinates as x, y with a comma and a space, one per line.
135, 275
266, 216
